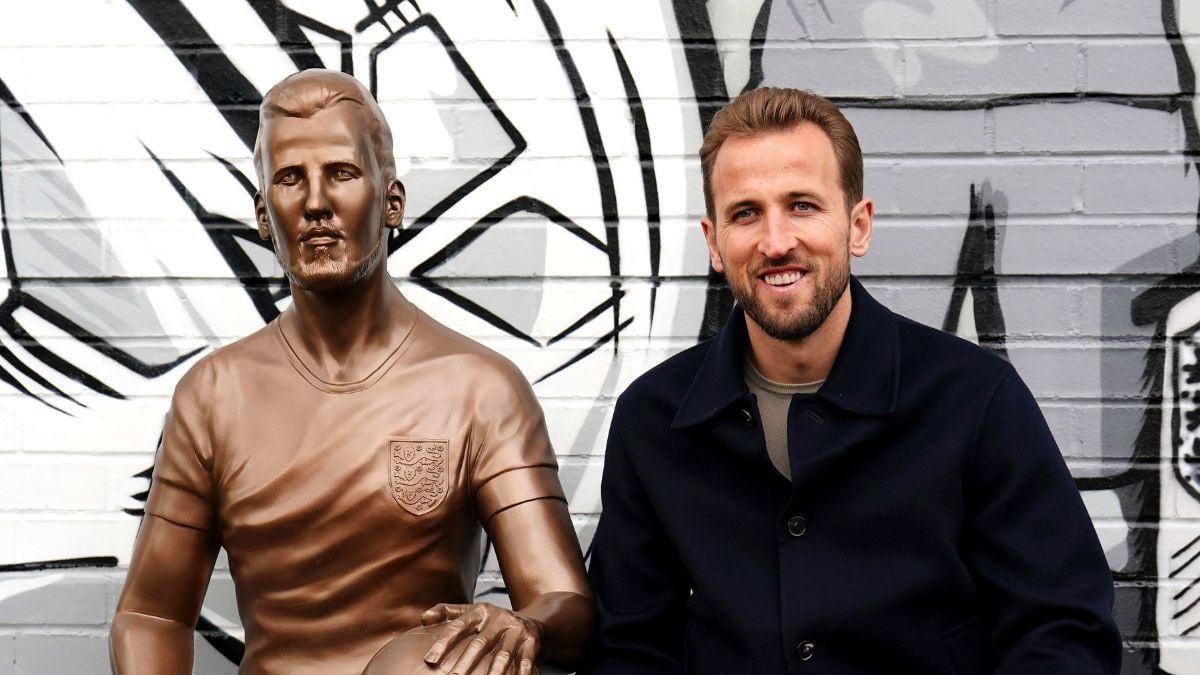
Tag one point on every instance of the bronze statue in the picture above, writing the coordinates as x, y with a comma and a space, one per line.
347, 454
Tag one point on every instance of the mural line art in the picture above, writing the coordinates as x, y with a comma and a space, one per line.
546, 148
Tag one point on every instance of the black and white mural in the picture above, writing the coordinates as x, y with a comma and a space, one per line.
1033, 165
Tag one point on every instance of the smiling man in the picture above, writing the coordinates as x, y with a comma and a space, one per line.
347, 455
826, 486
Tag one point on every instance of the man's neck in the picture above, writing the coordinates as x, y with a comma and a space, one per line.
808, 359
344, 335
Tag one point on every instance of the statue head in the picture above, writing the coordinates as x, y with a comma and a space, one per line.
327, 185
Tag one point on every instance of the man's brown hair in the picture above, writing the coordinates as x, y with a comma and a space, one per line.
308, 92
774, 109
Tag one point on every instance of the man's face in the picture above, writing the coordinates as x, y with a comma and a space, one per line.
323, 202
780, 231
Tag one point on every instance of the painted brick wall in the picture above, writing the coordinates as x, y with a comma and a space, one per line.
1033, 164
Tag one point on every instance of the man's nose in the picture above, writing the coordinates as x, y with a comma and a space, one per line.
316, 202
778, 236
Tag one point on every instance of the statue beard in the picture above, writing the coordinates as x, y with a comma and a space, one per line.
326, 275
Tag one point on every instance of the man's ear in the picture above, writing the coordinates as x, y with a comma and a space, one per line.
861, 219
394, 215
710, 238
260, 217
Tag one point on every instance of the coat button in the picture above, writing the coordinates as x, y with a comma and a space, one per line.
797, 526
805, 650
747, 417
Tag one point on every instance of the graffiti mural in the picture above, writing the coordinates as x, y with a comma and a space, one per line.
1033, 164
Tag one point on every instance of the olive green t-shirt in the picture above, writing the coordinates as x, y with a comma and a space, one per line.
774, 398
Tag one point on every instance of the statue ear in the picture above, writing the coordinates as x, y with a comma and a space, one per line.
394, 215
260, 217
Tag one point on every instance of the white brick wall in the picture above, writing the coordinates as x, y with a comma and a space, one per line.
1067, 117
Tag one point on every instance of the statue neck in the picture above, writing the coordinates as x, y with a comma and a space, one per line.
343, 336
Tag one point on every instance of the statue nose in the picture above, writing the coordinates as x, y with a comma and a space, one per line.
316, 205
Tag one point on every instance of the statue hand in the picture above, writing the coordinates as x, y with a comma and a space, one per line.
511, 641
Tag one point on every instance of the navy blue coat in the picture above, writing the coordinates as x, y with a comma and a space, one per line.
931, 525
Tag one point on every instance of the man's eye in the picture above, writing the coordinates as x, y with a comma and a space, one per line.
289, 179
803, 206
744, 214
342, 174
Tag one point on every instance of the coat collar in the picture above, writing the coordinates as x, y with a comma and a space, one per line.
864, 379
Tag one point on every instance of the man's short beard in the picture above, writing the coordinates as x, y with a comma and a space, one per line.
326, 276
802, 322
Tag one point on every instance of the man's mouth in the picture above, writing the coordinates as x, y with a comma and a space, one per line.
783, 278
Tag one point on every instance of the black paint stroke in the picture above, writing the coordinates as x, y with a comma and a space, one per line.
708, 88
608, 304
10, 264
61, 564
285, 25
400, 237
141, 497
230, 91
1195, 540
976, 274
474, 308
1186, 564
1168, 103
143, 368
247, 185
17, 299
225, 644
224, 231
523, 204
610, 336
9, 99
1109, 482
641, 134
703, 60
591, 129
343, 38
758, 39
1186, 71
378, 13
13, 382
23, 368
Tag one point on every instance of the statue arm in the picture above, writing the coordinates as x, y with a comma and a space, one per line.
543, 570
152, 631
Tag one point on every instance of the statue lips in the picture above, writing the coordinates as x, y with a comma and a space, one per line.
321, 235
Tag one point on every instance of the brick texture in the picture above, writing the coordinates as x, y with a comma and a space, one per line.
1040, 150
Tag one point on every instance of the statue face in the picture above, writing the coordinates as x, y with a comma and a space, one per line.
323, 202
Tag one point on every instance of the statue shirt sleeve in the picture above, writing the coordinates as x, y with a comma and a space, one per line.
181, 489
512, 459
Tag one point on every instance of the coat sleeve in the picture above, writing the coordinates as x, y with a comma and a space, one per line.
1044, 582
639, 580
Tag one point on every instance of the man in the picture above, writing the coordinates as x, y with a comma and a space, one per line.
825, 486
347, 454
